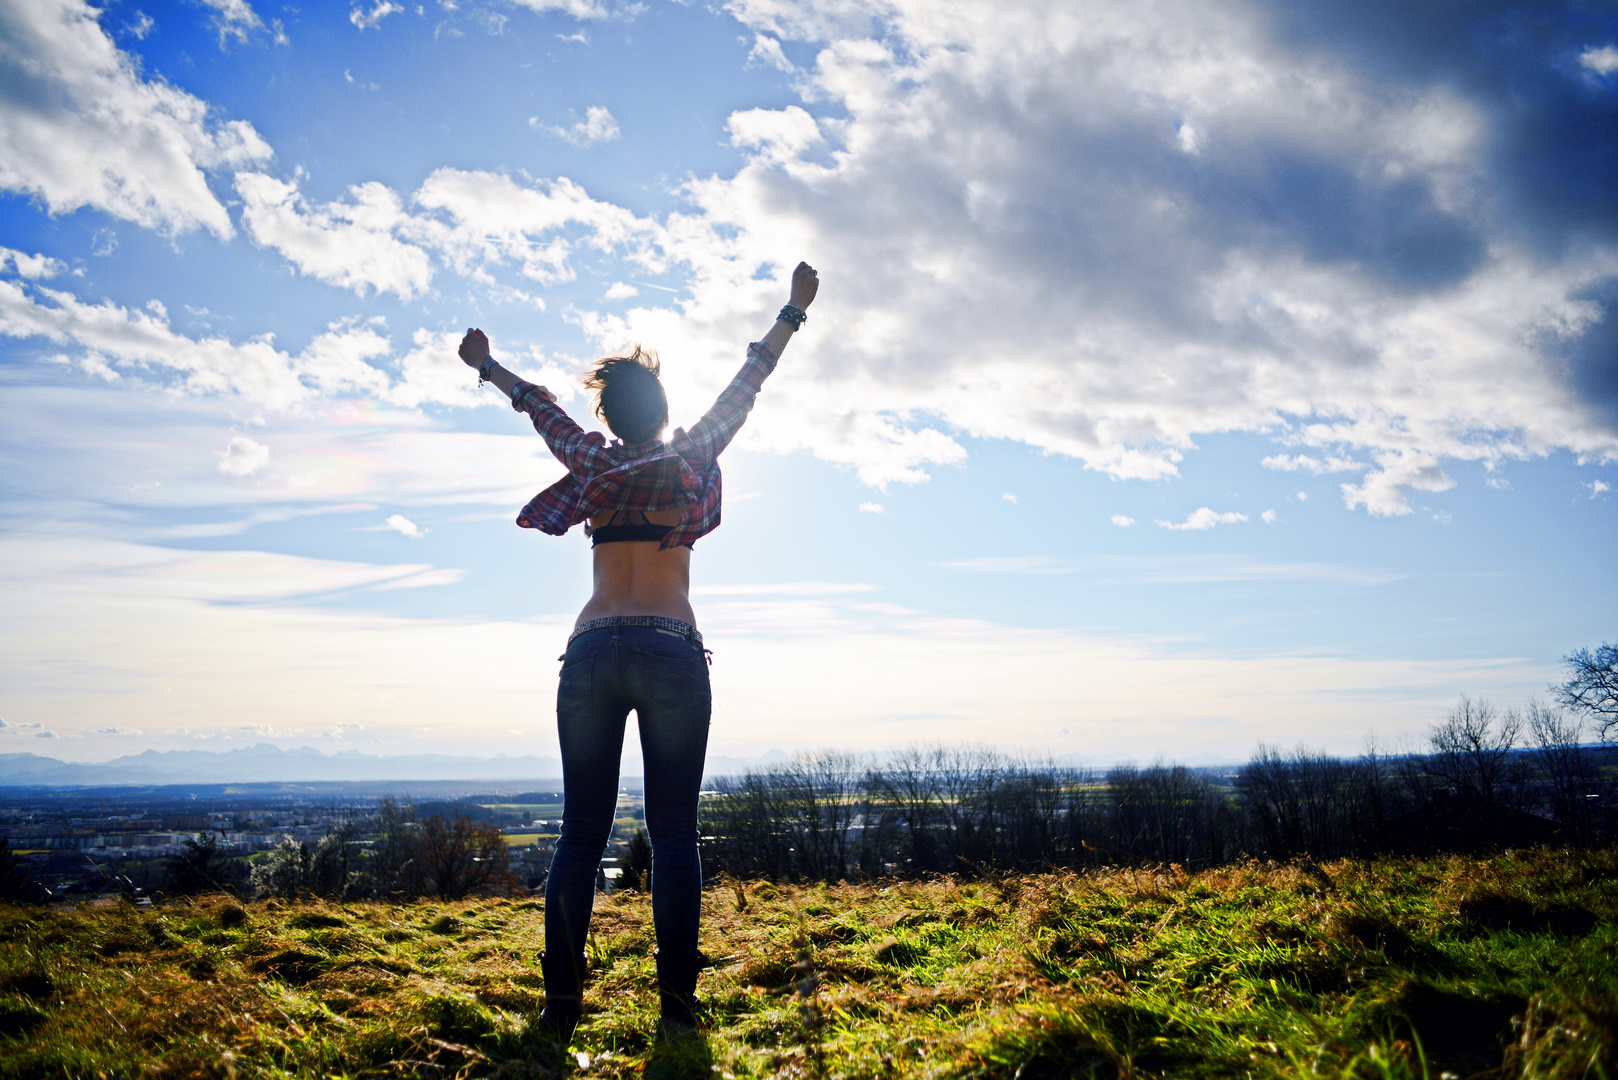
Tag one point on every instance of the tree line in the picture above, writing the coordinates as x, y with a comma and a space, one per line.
1488, 777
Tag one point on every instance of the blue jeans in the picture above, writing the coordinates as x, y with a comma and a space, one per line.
663, 676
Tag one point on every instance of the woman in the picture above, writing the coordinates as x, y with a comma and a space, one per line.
635, 645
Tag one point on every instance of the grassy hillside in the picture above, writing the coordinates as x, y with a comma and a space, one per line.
1385, 969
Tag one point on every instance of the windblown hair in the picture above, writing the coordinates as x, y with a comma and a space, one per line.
629, 395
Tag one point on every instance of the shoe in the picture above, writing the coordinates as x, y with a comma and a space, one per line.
680, 1010
563, 994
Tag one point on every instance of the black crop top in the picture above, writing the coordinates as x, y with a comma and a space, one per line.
622, 532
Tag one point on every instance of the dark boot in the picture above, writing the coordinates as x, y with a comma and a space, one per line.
564, 984
677, 991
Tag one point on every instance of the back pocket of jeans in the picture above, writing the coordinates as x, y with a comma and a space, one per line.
574, 686
675, 677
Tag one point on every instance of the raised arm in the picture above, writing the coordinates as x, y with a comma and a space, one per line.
718, 426
572, 445
804, 286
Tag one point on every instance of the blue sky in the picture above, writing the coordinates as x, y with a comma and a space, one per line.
1183, 376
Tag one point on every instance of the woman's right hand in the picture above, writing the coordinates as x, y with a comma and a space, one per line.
804, 286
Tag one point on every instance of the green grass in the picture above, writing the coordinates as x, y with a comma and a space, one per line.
1499, 967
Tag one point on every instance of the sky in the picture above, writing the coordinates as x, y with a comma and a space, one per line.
1184, 376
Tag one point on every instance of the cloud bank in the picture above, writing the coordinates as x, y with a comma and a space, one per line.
1102, 229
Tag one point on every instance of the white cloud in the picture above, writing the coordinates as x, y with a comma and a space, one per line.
45, 735
255, 370
1009, 497
79, 126
243, 456
1382, 493
401, 524
960, 137
119, 731
1269, 517
1499, 483
598, 126
233, 19
1599, 487
34, 267
579, 9
1123, 521
1304, 462
1602, 61
871, 508
778, 136
1303, 496
370, 20
1204, 518
349, 244
619, 290
767, 53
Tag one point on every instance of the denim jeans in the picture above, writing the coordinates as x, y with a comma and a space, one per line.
663, 677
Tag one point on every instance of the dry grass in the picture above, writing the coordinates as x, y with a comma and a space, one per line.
1500, 967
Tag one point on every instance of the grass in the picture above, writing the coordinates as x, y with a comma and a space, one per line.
1498, 967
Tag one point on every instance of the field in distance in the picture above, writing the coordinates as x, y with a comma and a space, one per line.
1501, 966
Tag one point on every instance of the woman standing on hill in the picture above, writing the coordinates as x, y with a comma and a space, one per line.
635, 645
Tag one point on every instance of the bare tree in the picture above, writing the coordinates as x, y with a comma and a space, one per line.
1470, 748
1592, 687
1565, 765
460, 855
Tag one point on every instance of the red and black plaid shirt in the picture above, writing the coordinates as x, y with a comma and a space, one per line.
681, 474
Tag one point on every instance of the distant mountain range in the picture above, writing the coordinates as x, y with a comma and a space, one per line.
265, 763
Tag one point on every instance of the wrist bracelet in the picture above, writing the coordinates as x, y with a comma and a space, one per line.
794, 315
483, 371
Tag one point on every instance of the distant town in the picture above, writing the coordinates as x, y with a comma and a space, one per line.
89, 842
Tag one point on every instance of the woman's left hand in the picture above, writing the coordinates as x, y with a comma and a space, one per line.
474, 349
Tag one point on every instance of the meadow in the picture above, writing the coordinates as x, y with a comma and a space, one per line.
1501, 966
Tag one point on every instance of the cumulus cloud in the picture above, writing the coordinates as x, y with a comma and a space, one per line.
1295, 463
370, 20
111, 337
871, 508
1599, 487
243, 456
598, 126
1269, 517
80, 126
1123, 521
767, 52
34, 267
1382, 493
1204, 518
233, 19
1086, 230
579, 9
620, 290
401, 524
350, 244
1602, 60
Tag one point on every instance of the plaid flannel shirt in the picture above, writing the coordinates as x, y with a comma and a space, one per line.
681, 474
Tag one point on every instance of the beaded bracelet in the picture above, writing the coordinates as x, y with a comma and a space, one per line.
794, 315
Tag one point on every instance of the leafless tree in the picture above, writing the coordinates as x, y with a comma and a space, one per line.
1564, 764
460, 856
1592, 687
1470, 748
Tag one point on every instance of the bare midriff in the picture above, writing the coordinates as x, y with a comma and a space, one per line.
638, 577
